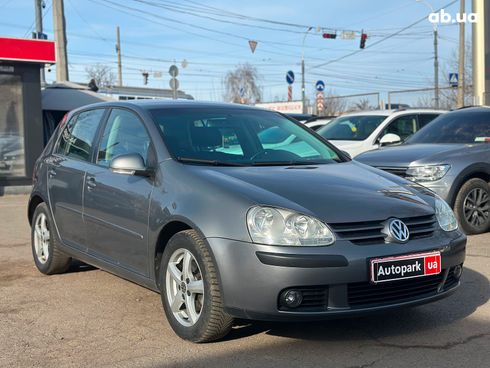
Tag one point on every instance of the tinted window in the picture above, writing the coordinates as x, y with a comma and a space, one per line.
457, 127
351, 128
78, 136
124, 133
239, 136
403, 126
425, 119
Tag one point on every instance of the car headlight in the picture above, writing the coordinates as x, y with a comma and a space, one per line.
275, 226
427, 172
445, 215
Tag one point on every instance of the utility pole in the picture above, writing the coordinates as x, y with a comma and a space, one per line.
303, 94
461, 84
480, 30
60, 39
38, 4
119, 63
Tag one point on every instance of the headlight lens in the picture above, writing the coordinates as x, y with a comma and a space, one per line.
275, 226
445, 216
427, 172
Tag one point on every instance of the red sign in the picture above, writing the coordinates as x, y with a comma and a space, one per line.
21, 49
432, 265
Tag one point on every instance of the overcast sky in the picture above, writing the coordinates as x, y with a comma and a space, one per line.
156, 32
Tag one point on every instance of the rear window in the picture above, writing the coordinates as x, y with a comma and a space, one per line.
77, 138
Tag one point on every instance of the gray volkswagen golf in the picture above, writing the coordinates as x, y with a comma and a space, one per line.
205, 204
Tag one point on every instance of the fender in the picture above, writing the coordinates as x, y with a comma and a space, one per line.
463, 176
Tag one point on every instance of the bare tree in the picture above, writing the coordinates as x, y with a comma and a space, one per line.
449, 96
101, 74
334, 105
241, 85
362, 105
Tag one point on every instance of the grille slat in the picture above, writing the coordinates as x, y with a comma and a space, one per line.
398, 171
370, 232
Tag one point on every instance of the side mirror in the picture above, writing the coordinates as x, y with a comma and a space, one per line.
389, 138
130, 164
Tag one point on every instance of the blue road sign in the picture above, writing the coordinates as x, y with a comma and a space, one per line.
453, 79
290, 77
242, 91
320, 86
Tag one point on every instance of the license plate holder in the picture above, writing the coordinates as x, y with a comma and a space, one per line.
404, 267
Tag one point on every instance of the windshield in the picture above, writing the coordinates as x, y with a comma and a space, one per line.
236, 137
459, 127
351, 128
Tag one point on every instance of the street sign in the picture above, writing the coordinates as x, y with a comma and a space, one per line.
320, 86
253, 45
348, 35
453, 79
173, 71
242, 92
290, 77
320, 103
174, 84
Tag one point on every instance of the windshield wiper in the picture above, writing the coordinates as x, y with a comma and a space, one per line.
284, 163
208, 162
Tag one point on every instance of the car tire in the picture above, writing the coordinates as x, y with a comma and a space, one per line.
472, 206
205, 302
48, 257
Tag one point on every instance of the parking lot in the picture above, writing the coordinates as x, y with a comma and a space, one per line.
88, 317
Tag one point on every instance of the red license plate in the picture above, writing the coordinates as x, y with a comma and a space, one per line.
405, 267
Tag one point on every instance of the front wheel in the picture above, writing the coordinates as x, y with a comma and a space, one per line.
472, 206
191, 293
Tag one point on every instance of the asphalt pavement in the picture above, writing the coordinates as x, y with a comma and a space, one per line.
90, 318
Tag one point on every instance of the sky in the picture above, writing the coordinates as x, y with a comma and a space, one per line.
212, 38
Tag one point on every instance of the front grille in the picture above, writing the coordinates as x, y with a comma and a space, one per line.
399, 171
369, 232
365, 294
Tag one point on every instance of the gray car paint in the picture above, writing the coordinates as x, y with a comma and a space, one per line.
214, 201
465, 160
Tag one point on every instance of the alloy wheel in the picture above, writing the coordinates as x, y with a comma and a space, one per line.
184, 287
41, 238
476, 207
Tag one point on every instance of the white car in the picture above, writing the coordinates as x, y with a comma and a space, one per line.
317, 123
364, 131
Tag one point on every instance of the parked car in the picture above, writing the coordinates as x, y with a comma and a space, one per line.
451, 157
317, 122
149, 192
363, 131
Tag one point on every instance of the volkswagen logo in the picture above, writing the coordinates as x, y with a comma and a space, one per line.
396, 231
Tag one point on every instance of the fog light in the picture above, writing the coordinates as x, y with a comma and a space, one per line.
292, 298
458, 270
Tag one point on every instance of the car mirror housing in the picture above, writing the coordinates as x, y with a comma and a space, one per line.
389, 138
130, 164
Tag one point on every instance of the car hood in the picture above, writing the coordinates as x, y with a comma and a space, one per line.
345, 192
405, 154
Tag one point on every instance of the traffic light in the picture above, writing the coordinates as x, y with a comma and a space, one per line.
363, 40
145, 77
330, 35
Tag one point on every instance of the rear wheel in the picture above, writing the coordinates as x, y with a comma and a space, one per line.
48, 257
191, 293
472, 206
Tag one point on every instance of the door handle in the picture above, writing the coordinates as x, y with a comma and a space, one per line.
91, 184
51, 173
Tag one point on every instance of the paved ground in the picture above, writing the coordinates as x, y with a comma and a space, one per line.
90, 318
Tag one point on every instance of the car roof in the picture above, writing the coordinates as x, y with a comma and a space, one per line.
394, 112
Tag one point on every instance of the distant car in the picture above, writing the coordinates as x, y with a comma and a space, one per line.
318, 122
301, 117
450, 156
364, 131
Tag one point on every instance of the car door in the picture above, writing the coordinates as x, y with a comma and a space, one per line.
116, 206
403, 126
66, 171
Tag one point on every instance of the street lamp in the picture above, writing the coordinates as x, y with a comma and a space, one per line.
303, 97
436, 58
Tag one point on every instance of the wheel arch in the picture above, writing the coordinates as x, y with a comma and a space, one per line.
474, 171
35, 200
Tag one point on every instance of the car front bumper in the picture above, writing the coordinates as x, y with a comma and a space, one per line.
335, 279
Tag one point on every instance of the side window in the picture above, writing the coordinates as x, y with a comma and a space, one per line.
78, 136
425, 119
124, 133
404, 126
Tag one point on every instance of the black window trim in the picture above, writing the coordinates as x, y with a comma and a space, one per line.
417, 114
98, 136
